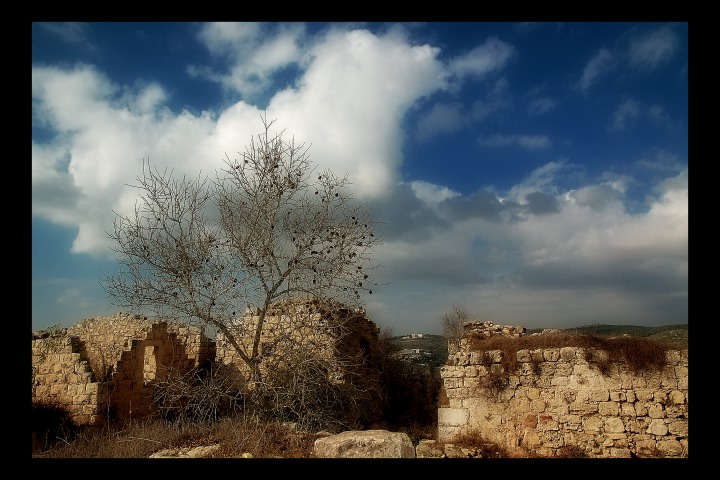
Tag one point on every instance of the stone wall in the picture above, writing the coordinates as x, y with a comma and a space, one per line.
304, 328
107, 366
557, 399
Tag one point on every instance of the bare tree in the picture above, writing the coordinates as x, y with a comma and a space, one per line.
268, 227
452, 323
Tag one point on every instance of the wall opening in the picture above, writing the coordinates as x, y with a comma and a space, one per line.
150, 363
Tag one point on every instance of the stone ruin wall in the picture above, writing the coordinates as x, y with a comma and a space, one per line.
106, 366
557, 399
312, 328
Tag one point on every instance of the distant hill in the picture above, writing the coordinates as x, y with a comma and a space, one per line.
437, 345
676, 334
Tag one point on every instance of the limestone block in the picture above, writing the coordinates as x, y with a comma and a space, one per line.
644, 394
676, 397
678, 428
609, 408
660, 397
627, 409
568, 354
599, 395
656, 410
453, 416
471, 382
57, 389
551, 354
675, 411
657, 427
614, 425
619, 453
617, 396
671, 447
365, 444
451, 383
572, 422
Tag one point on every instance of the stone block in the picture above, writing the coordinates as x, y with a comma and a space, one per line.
454, 417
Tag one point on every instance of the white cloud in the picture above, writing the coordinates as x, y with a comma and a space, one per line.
108, 130
653, 50
354, 119
600, 64
590, 261
491, 56
150, 98
254, 55
431, 194
235, 39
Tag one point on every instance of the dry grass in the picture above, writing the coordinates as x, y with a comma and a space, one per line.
638, 353
483, 448
141, 439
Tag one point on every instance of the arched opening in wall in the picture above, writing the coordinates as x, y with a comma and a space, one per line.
150, 363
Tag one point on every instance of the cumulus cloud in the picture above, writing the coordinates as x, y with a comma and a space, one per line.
653, 49
355, 119
599, 65
254, 55
105, 131
575, 255
596, 197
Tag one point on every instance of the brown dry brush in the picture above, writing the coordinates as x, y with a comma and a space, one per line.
639, 354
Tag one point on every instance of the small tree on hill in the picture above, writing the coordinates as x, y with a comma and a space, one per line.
268, 227
452, 323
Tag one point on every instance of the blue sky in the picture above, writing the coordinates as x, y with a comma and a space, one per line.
534, 173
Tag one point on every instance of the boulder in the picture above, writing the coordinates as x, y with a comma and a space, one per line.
365, 444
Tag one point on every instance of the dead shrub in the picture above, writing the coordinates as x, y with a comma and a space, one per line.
638, 353
474, 440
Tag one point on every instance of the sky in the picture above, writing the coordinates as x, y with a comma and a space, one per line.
535, 174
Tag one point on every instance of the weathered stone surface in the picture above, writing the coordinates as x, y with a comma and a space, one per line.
429, 449
559, 397
196, 452
365, 444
